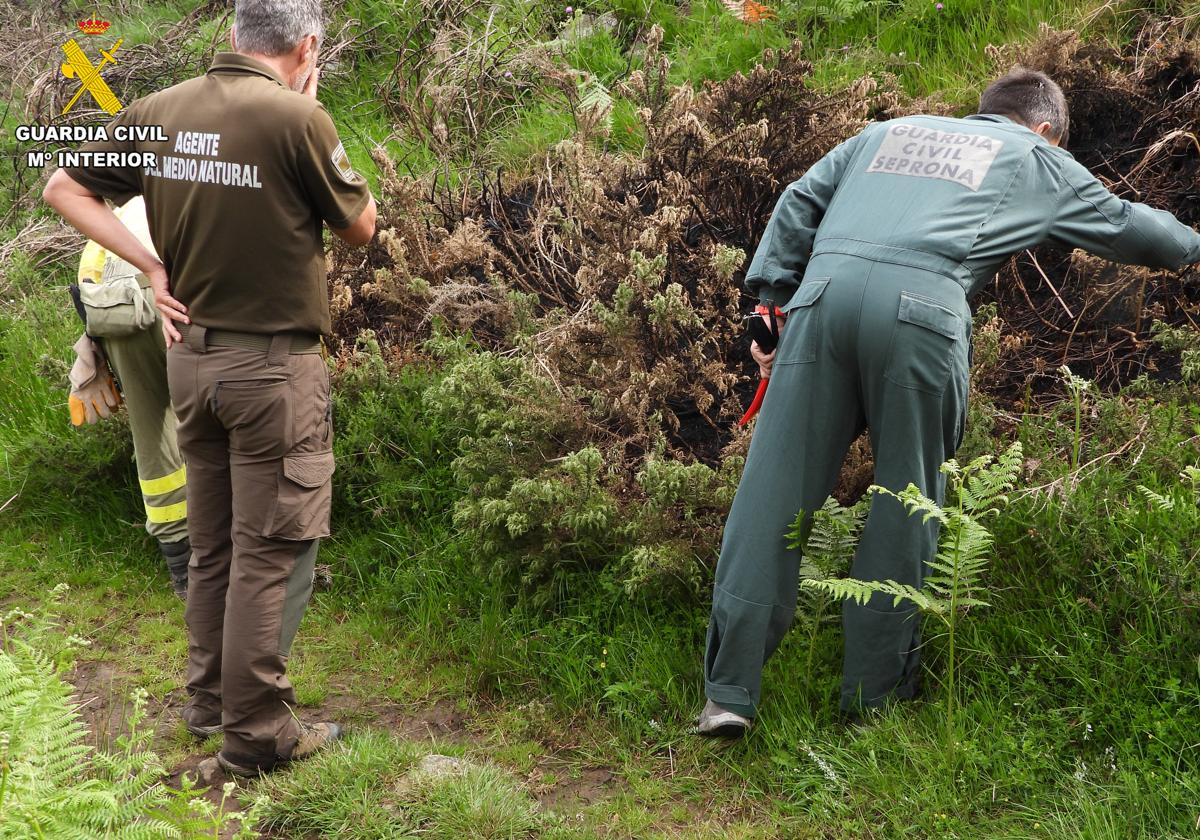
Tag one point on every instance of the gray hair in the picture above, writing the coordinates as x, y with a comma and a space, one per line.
1030, 97
275, 27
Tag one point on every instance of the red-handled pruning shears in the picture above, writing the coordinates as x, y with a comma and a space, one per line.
767, 338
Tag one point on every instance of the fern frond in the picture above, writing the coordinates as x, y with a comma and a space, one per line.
861, 592
596, 103
55, 785
843, 589
986, 486
914, 501
828, 539
1157, 500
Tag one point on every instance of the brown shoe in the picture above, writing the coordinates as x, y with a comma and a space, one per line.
200, 730
238, 769
314, 737
204, 731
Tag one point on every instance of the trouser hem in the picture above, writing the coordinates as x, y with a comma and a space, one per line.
732, 698
906, 691
879, 677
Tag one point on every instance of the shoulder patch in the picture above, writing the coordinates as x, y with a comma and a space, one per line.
956, 156
341, 162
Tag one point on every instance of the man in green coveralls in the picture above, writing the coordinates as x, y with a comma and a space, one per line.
872, 256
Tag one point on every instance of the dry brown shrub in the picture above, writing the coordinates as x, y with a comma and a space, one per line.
622, 276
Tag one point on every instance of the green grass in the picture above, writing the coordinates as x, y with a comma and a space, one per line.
1094, 624
939, 53
931, 52
1081, 695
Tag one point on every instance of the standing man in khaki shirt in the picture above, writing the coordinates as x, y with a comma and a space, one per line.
250, 169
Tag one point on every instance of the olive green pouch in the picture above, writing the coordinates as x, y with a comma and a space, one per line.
116, 307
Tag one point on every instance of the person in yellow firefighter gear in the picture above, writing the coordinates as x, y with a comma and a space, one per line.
124, 327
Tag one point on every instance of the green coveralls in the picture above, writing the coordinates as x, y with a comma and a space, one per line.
891, 232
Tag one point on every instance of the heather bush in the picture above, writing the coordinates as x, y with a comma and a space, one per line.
542, 504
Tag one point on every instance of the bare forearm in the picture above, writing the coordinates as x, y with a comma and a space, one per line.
88, 214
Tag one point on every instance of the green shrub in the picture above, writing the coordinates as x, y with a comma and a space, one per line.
540, 502
534, 506
393, 459
1182, 340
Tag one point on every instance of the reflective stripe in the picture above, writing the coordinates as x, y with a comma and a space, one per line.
158, 486
167, 513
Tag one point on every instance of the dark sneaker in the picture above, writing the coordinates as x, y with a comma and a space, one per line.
198, 729
204, 731
238, 769
721, 723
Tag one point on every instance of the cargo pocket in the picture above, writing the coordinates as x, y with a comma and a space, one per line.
924, 344
802, 332
303, 497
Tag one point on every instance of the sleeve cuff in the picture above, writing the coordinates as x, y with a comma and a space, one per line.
99, 187
775, 297
351, 217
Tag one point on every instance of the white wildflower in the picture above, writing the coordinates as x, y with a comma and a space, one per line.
822, 765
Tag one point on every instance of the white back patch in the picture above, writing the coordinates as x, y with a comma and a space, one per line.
923, 152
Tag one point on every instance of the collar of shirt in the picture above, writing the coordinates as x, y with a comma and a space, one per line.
1006, 121
231, 62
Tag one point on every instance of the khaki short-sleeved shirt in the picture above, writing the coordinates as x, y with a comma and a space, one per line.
248, 173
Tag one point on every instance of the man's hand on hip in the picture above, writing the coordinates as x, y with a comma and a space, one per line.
168, 306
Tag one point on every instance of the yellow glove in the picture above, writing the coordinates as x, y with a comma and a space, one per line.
94, 395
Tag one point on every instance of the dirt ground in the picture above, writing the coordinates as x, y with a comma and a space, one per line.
102, 686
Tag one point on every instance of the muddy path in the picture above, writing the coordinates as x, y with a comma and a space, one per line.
556, 779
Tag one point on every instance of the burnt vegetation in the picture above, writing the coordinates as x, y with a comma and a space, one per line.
621, 275
583, 311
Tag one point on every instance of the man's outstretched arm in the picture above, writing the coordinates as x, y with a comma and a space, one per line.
1092, 218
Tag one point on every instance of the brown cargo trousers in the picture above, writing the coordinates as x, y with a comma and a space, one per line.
255, 428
